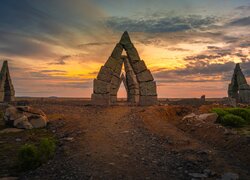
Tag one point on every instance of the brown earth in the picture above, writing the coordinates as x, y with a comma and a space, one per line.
126, 142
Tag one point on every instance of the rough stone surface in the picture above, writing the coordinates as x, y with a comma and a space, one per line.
139, 66
25, 117
7, 92
145, 76
148, 100
105, 74
116, 54
101, 87
244, 96
148, 88
100, 99
207, 117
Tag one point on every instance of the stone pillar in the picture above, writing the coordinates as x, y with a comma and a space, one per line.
7, 92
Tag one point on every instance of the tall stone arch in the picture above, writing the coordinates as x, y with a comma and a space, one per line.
108, 81
7, 92
238, 88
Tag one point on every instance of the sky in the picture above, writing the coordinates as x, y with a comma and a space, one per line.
56, 47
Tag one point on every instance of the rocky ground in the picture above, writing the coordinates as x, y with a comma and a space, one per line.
126, 142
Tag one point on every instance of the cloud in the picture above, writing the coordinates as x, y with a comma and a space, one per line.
94, 44
160, 25
245, 21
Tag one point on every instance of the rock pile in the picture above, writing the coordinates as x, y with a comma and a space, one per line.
238, 88
25, 117
141, 87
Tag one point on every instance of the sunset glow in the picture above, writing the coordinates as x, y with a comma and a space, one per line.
57, 49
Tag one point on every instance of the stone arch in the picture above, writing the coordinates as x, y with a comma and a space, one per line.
108, 81
7, 92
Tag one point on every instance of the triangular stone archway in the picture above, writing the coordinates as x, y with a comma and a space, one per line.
7, 92
238, 88
139, 82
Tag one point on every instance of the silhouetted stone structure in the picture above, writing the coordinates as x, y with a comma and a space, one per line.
7, 92
238, 88
139, 82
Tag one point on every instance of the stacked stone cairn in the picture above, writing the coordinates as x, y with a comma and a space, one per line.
7, 92
139, 82
238, 88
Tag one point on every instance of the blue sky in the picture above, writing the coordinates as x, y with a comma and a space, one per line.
56, 47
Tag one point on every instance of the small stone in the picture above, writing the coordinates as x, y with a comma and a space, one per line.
230, 176
18, 140
112, 163
197, 175
69, 139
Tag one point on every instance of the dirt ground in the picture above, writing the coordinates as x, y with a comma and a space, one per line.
126, 142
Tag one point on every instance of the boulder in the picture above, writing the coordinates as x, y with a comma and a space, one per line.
190, 117
38, 121
25, 117
208, 117
22, 123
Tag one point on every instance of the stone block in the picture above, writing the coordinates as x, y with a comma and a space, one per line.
116, 81
244, 87
148, 88
111, 63
125, 39
134, 91
131, 79
133, 55
139, 67
148, 100
113, 99
145, 76
105, 74
101, 87
100, 99
133, 99
116, 54
244, 96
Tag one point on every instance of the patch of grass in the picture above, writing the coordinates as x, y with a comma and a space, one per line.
220, 112
46, 149
31, 156
242, 112
232, 121
28, 157
233, 117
